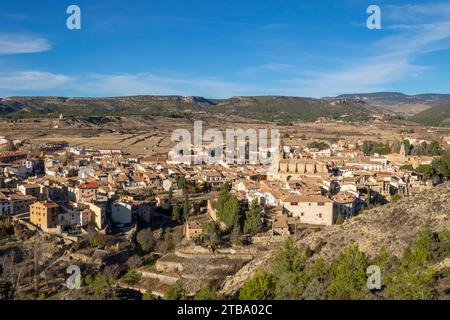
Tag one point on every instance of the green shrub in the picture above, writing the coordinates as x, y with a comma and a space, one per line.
261, 286
396, 197
88, 280
318, 145
132, 277
100, 283
176, 292
446, 272
414, 279
98, 241
206, 293
411, 283
148, 295
97, 283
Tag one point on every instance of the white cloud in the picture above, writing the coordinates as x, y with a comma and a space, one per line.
22, 43
13, 16
417, 39
421, 28
416, 13
270, 67
368, 77
149, 83
33, 82
276, 66
392, 58
15, 82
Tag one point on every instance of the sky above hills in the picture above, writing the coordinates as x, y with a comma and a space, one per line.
220, 49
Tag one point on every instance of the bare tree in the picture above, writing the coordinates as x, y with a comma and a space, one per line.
36, 254
134, 262
7, 262
112, 271
11, 272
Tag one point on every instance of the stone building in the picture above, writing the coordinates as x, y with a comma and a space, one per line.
310, 209
294, 168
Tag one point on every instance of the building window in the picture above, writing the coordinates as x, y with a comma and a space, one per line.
294, 203
321, 204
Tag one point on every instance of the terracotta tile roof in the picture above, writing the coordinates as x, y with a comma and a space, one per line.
306, 198
31, 186
13, 195
91, 185
344, 197
49, 204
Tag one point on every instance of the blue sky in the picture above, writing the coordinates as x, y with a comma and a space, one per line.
220, 49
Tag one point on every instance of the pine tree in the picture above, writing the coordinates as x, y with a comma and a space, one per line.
186, 206
181, 183
176, 212
260, 287
253, 223
211, 233
414, 278
348, 274
228, 209
236, 234
288, 265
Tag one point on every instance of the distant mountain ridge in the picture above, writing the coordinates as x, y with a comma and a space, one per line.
270, 108
350, 107
427, 108
400, 103
398, 97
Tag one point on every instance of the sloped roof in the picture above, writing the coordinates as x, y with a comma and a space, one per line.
306, 198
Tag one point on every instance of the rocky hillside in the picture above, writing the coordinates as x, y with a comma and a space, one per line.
400, 103
268, 108
351, 107
398, 98
23, 107
286, 109
393, 226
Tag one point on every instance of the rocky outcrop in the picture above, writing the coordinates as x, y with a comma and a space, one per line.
393, 226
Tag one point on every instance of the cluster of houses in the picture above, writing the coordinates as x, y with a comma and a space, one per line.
68, 188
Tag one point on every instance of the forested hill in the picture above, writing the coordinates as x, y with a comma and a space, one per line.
436, 116
269, 108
